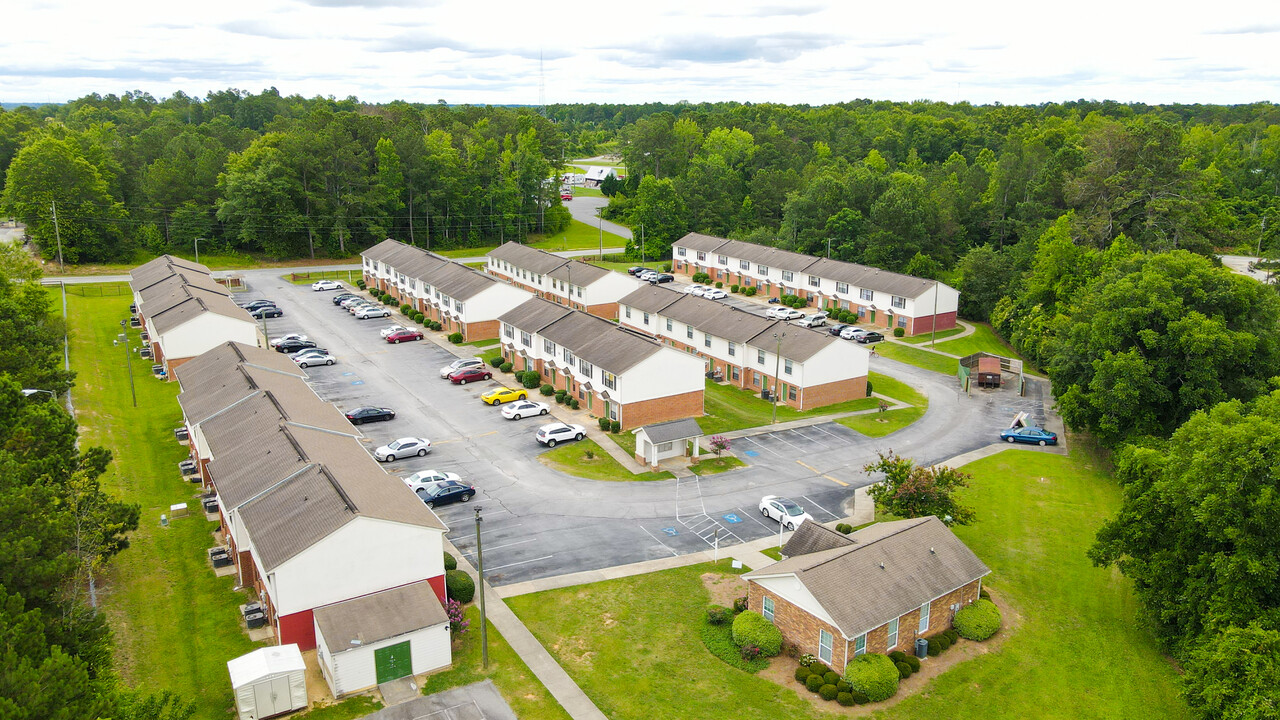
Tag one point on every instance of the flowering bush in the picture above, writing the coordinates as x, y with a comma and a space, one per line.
458, 623
719, 444
750, 652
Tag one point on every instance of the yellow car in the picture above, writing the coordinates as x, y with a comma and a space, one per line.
501, 395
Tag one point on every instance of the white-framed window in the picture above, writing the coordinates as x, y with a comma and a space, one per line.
899, 302
526, 339
766, 608
860, 645
668, 324
744, 264
722, 259
459, 305
815, 281
734, 373
665, 447
824, 646
706, 339
579, 291
506, 330
586, 368
893, 634
759, 357
626, 309
610, 380
702, 255
842, 287
548, 347
791, 392
733, 348
866, 294
762, 269
568, 357
688, 331
786, 366
924, 620
646, 318
788, 276
680, 251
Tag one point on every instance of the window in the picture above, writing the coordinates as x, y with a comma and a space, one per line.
744, 264
755, 379
723, 260
824, 646
706, 339
688, 331
786, 366
702, 256
506, 330
762, 269
766, 607
899, 302
862, 311
680, 251
759, 357
815, 281
860, 645
893, 634
586, 368
610, 380
791, 392
579, 293
646, 318
866, 294
902, 321
842, 287
526, 339
668, 324
787, 276
924, 620
458, 305
735, 373
627, 309
733, 348
568, 357
548, 347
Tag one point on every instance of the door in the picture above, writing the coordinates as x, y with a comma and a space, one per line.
393, 662
271, 697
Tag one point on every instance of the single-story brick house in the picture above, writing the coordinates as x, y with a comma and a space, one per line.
876, 590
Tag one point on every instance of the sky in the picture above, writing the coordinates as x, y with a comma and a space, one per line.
502, 52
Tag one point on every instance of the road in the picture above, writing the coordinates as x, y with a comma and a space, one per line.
1240, 264
587, 210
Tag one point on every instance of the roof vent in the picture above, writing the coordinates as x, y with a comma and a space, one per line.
931, 552
882, 565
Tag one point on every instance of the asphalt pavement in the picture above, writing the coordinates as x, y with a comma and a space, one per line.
587, 210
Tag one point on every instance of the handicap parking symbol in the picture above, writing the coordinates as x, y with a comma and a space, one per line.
733, 518
357, 382
671, 531
752, 453
345, 374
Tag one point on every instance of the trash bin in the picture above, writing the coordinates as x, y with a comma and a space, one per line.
922, 648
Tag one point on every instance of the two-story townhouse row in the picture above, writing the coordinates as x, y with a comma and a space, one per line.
879, 297
807, 368
460, 298
614, 372
565, 282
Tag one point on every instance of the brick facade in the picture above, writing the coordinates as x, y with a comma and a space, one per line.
608, 311
830, 393
647, 412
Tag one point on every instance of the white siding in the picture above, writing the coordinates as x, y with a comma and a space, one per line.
610, 288
205, 332
491, 303
838, 361
789, 588
352, 670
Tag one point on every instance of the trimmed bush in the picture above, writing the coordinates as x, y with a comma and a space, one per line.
899, 332
573, 403
405, 309
874, 675
984, 594
831, 678
844, 699
456, 338
615, 427
718, 640
604, 424
497, 360
860, 697
819, 669
844, 528
435, 325
505, 367
802, 673
904, 670
532, 379
953, 635
978, 621
842, 686
898, 656
914, 662
718, 614
450, 562
827, 692
749, 291
813, 682
547, 390
361, 284
869, 389
734, 288
460, 585
719, 284
750, 627
935, 647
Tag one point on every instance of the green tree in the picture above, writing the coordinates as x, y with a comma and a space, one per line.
1235, 675
662, 213
986, 275
260, 201
911, 491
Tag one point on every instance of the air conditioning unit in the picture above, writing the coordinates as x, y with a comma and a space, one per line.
145, 337
182, 433
145, 353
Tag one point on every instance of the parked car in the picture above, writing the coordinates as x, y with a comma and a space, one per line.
353, 300
1031, 435
446, 492
305, 360
368, 414
461, 364
504, 394
470, 374
838, 328
362, 306
322, 285
636, 270
342, 297
285, 338
372, 312
404, 447
782, 312
696, 290
870, 336
309, 351
566, 195
293, 346
646, 274
270, 311
554, 433
786, 512
391, 329
662, 278
812, 321
524, 408
430, 477
396, 338
258, 304
853, 333
715, 294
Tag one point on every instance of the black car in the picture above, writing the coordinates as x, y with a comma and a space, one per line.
635, 270
837, 329
662, 278
343, 296
869, 337
362, 415
293, 346
445, 492
269, 311
258, 304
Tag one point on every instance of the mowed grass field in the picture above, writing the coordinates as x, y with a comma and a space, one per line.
1073, 646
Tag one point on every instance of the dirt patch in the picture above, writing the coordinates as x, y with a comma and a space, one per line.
782, 669
724, 589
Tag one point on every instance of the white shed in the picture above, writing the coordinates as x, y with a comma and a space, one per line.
268, 682
659, 441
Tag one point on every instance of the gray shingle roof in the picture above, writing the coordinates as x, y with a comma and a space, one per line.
672, 430
220, 360
651, 298
379, 616
701, 243
154, 271
193, 306
534, 314
578, 273
871, 278
600, 342
451, 278
890, 569
531, 259
813, 537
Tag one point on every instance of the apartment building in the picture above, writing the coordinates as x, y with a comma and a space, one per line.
565, 282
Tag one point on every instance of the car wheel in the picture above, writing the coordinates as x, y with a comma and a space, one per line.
517, 417
522, 396
466, 497
790, 527
551, 443
302, 365
462, 382
497, 402
1010, 439
430, 504
1042, 443
578, 436
544, 412
422, 452
487, 376
391, 458
764, 512
395, 342
330, 362
357, 421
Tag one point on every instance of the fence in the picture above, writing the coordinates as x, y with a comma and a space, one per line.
98, 289
304, 277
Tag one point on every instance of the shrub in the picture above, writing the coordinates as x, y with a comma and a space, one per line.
952, 635
914, 662
718, 640
666, 267
935, 647
573, 403
830, 678
532, 380
898, 656
418, 317
458, 622
717, 614
978, 621
749, 291
844, 699
719, 284
842, 686
740, 604
844, 528
802, 673
899, 332
860, 697
818, 668
827, 692
435, 325
904, 670
405, 309
460, 585
984, 594
450, 562
361, 284
456, 338
750, 628
870, 389
604, 425
615, 427
813, 682
497, 360
701, 277
734, 288
750, 652
874, 675
505, 367
547, 389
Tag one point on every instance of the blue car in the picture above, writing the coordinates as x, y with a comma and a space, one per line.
1032, 435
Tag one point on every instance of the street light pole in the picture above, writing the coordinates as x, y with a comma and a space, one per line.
484, 634
62, 269
777, 364
197, 242
128, 361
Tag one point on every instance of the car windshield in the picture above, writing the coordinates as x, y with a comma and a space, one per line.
402, 444
791, 508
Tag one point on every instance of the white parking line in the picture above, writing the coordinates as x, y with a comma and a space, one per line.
806, 497
455, 538
819, 441
522, 562
499, 547
828, 432
756, 516
778, 436
762, 447
655, 539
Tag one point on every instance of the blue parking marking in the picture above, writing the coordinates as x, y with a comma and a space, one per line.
751, 453
345, 374
671, 531
357, 382
732, 517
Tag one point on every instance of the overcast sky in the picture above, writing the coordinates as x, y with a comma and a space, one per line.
805, 51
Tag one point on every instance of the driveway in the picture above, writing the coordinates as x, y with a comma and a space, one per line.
587, 209
539, 523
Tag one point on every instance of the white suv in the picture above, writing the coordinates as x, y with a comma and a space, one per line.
812, 321
554, 433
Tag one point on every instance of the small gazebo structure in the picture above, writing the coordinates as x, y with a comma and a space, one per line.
657, 442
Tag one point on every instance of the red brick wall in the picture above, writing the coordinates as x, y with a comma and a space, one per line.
673, 407
830, 393
483, 330
798, 627
608, 311
920, 325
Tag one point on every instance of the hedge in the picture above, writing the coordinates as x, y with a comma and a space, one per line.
532, 380
978, 621
814, 683
751, 627
604, 424
450, 562
802, 673
548, 389
460, 585
874, 675
718, 640
615, 427
831, 678
845, 699
827, 692
904, 670
914, 662
497, 360
573, 403
505, 367
860, 697
749, 291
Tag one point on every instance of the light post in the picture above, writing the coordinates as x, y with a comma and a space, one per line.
28, 392
777, 365
128, 360
197, 243
484, 635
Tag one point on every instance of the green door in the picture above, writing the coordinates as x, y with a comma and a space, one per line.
393, 662
873, 317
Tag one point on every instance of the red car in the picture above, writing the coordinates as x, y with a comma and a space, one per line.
466, 375
400, 336
566, 195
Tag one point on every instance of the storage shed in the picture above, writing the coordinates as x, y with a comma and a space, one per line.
268, 682
659, 441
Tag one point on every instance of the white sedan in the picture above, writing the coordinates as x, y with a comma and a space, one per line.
285, 338
853, 333
372, 312
785, 511
461, 364
426, 478
524, 408
715, 294
307, 359
393, 329
696, 289
782, 312
404, 447
322, 285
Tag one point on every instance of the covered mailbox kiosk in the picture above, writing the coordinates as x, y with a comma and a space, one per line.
268, 682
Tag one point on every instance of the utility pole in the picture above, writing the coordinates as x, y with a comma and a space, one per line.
777, 365
197, 242
828, 248
411, 217
62, 268
128, 360
642, 255
600, 226
484, 634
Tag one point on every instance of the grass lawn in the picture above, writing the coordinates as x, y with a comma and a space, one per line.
176, 625
919, 358
983, 339
489, 355
925, 338
571, 459
728, 408
349, 709
581, 191
579, 236
307, 277
527, 696
713, 465
214, 262
772, 552
1079, 649
622, 266
626, 441
483, 343
881, 424
896, 389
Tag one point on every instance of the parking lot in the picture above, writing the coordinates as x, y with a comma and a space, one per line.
538, 522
